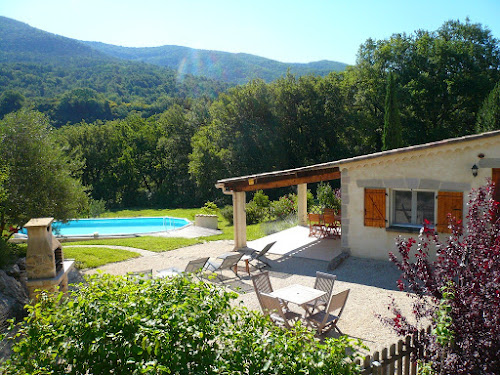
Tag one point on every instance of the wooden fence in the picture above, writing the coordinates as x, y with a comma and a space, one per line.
395, 360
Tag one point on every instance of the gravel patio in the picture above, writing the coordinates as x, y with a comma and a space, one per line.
372, 283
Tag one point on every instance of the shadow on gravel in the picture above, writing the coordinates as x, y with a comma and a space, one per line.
370, 272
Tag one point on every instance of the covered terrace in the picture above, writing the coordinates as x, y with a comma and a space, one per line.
238, 186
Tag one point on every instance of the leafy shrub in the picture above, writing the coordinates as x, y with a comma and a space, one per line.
174, 326
8, 252
261, 199
96, 207
210, 208
328, 197
283, 207
227, 213
254, 213
460, 290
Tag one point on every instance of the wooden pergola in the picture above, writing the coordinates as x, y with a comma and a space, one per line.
238, 186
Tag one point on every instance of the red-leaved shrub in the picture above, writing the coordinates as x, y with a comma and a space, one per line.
459, 292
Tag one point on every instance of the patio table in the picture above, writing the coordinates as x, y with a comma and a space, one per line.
297, 294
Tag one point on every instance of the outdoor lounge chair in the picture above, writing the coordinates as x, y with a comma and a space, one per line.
258, 256
194, 266
228, 263
324, 281
272, 307
325, 320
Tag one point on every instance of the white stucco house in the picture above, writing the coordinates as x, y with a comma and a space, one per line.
388, 193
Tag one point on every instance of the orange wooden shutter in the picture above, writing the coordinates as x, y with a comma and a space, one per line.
375, 208
449, 202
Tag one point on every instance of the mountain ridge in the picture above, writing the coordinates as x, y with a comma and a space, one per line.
20, 42
227, 66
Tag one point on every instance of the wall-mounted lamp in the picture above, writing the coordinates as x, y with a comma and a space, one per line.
474, 169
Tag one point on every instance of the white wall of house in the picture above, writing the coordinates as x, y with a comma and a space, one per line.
446, 167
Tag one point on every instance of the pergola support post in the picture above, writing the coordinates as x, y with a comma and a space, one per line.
239, 220
302, 203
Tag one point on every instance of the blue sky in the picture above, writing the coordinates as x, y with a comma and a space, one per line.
288, 31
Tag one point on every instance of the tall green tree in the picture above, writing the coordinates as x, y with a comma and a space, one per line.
10, 101
443, 75
392, 137
488, 117
39, 179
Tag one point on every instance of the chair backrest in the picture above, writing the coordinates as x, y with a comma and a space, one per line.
265, 249
329, 219
262, 282
324, 281
230, 261
314, 219
328, 211
196, 265
337, 303
271, 306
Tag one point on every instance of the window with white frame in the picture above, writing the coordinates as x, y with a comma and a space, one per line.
411, 207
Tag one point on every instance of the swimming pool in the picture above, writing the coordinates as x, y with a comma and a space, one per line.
116, 226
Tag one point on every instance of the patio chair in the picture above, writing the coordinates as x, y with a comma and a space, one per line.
257, 257
194, 266
325, 320
324, 281
272, 307
330, 225
315, 225
228, 263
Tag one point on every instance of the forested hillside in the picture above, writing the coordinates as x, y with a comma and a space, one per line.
73, 82
171, 143
236, 68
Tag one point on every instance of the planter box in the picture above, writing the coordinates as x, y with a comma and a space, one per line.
206, 221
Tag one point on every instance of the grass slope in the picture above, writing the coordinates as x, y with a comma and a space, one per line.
91, 257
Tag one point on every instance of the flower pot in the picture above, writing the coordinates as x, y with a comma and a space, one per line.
206, 221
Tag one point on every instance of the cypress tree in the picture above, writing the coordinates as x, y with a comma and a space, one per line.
488, 117
392, 137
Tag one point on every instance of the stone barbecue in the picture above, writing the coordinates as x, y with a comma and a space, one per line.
45, 265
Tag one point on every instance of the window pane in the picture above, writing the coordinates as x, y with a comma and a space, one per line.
402, 207
425, 207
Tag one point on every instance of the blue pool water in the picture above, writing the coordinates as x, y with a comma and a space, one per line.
116, 226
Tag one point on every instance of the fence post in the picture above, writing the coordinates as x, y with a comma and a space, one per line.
367, 365
377, 366
392, 353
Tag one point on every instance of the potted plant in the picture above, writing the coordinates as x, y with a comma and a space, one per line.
207, 217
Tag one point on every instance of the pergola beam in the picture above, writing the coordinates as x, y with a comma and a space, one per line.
263, 182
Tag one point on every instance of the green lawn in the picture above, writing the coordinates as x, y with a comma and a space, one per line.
91, 257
